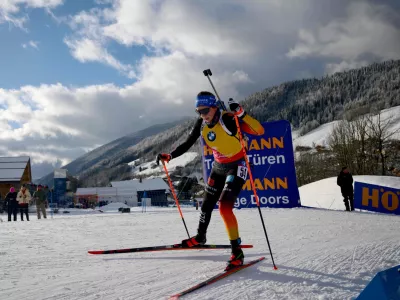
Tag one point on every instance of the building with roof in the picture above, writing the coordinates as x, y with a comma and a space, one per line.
14, 171
155, 188
129, 192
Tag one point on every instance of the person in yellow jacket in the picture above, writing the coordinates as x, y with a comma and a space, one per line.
229, 171
24, 197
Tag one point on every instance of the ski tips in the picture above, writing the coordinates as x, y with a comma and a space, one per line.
96, 252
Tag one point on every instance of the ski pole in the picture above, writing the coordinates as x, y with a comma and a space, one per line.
208, 73
175, 197
253, 186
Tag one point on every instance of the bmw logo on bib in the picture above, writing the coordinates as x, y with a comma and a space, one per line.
211, 136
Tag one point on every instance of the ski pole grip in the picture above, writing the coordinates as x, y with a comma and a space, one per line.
207, 72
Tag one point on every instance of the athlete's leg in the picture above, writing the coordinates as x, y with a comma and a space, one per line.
233, 186
212, 193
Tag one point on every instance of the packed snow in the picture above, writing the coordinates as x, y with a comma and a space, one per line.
320, 253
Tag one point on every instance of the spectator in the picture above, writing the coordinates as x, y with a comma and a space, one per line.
1, 205
345, 181
24, 197
41, 201
12, 204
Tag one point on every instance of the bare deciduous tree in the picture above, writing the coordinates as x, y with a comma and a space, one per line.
363, 144
380, 133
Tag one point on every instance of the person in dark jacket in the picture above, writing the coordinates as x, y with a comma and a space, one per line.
345, 181
12, 204
41, 201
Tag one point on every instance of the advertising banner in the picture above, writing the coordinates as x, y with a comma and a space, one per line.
376, 198
271, 158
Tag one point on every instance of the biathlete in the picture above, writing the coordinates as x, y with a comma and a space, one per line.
229, 171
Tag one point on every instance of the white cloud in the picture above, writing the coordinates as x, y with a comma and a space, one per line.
173, 26
88, 44
217, 28
86, 50
366, 29
344, 66
10, 10
58, 123
219, 32
33, 44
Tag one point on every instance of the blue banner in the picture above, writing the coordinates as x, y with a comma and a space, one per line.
272, 165
60, 188
376, 198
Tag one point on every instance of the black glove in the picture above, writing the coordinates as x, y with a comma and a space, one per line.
164, 157
236, 108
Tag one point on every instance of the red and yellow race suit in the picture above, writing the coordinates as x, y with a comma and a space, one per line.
222, 137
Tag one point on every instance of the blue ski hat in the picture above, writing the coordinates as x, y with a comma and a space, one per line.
206, 99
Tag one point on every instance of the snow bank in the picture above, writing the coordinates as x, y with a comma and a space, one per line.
326, 193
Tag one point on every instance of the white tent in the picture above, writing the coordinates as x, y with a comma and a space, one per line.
140, 185
111, 194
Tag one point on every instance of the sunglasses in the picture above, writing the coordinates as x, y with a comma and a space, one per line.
203, 111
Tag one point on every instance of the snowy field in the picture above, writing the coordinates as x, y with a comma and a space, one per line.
320, 135
321, 254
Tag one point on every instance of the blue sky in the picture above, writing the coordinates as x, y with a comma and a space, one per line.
52, 61
75, 75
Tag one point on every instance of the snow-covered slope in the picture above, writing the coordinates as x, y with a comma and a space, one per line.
150, 168
321, 254
326, 194
320, 135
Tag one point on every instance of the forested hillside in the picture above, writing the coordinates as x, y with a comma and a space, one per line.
309, 103
305, 103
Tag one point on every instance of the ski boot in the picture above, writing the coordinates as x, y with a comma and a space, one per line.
197, 240
237, 256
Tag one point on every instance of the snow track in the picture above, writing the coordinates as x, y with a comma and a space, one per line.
320, 254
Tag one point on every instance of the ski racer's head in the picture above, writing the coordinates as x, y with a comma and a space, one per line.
12, 189
206, 106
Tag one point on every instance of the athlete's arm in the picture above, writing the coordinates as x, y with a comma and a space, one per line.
251, 125
247, 124
191, 139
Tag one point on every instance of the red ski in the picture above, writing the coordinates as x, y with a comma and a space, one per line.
165, 248
216, 278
